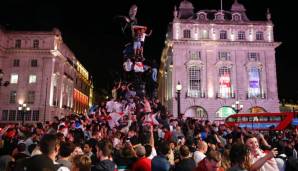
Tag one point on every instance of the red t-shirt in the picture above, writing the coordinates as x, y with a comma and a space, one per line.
143, 164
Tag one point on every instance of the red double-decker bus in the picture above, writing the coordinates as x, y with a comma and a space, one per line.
261, 121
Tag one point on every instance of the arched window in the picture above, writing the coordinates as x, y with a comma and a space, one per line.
196, 112
225, 111
223, 35
259, 35
186, 34
257, 109
194, 81
254, 87
225, 87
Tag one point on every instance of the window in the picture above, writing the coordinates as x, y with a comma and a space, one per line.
194, 81
236, 17
4, 115
20, 115
253, 56
275, 118
241, 35
35, 43
28, 115
12, 115
33, 63
195, 55
16, 63
35, 115
13, 97
32, 79
224, 56
204, 34
186, 34
259, 35
18, 43
14, 78
254, 88
30, 97
223, 35
225, 88
232, 119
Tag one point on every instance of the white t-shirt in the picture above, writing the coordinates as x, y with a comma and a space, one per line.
128, 66
110, 106
268, 165
198, 156
118, 107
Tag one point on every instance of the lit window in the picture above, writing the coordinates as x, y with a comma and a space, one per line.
194, 81
14, 78
204, 34
186, 34
223, 35
32, 79
259, 35
241, 35
225, 87
254, 88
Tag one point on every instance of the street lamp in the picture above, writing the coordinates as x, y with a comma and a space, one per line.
23, 108
237, 106
178, 89
5, 83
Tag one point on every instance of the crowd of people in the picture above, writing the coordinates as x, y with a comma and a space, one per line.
84, 143
132, 131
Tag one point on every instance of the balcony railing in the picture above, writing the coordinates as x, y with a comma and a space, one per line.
253, 96
225, 95
195, 93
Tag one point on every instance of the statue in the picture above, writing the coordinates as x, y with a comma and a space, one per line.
128, 21
268, 15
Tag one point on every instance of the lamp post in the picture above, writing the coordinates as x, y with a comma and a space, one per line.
3, 83
178, 90
237, 106
23, 108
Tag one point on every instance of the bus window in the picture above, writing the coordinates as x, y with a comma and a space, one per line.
250, 119
275, 118
244, 119
263, 118
231, 119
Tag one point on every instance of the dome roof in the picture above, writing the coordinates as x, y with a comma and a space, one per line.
237, 7
186, 5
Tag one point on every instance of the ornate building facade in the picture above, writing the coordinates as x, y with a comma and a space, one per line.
44, 74
221, 59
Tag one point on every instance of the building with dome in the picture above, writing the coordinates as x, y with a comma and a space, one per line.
224, 62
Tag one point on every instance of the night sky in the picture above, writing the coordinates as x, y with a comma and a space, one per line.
94, 35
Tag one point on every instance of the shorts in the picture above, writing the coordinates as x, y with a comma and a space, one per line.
136, 45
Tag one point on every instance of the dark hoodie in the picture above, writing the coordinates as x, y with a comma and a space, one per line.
104, 165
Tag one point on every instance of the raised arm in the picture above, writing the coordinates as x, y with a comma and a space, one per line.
269, 158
